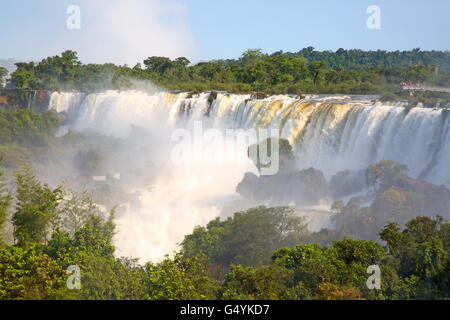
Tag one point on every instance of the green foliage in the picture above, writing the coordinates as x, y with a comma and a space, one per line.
354, 220
27, 128
421, 254
102, 275
356, 59
316, 68
385, 173
307, 186
343, 71
267, 245
351, 258
35, 216
322, 271
285, 153
247, 238
26, 136
3, 74
29, 274
77, 211
5, 204
250, 283
180, 278
53, 73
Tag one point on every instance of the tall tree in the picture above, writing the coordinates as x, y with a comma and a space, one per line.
36, 212
317, 68
5, 204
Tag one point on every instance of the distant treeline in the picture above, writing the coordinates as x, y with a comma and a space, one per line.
356, 59
307, 71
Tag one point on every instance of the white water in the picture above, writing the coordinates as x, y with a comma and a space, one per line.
65, 101
330, 134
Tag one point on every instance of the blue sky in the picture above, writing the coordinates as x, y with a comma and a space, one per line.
128, 31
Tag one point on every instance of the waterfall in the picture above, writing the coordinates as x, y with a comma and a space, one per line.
65, 101
330, 133
31, 96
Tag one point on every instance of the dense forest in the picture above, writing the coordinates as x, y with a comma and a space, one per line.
261, 253
264, 252
307, 71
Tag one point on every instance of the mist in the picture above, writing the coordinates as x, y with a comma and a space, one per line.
119, 145
110, 31
128, 134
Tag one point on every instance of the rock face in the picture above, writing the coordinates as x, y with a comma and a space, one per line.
248, 186
260, 95
39, 100
312, 186
24, 99
304, 187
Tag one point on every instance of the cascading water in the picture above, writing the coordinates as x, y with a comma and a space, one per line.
65, 101
328, 133
331, 134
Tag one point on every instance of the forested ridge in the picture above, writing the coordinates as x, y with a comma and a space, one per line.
307, 71
264, 252
56, 228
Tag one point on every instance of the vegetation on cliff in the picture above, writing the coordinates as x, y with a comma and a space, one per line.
269, 258
265, 252
307, 71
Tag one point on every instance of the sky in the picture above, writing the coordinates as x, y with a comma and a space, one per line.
128, 31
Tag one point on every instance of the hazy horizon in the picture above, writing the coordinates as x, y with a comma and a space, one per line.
129, 32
